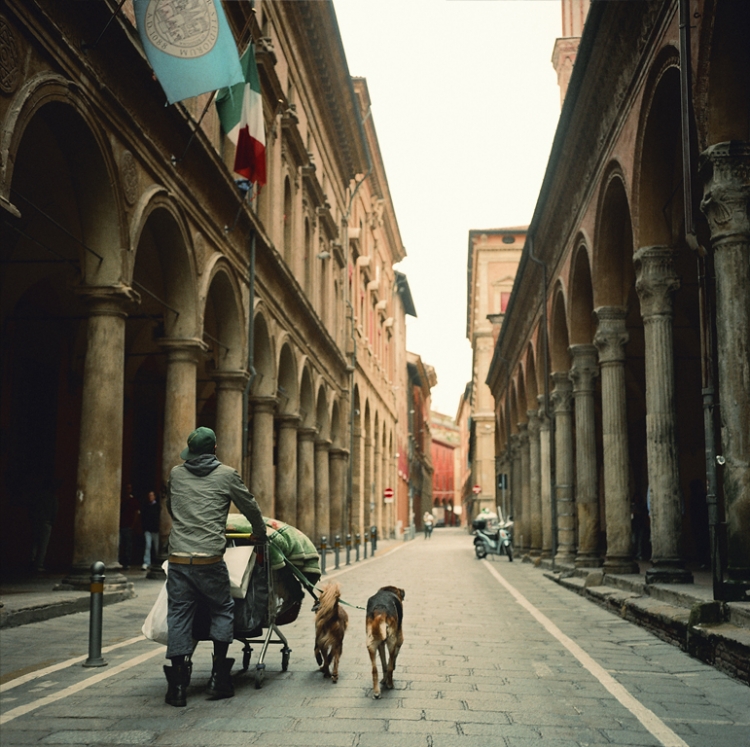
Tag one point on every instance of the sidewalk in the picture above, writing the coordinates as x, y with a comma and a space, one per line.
685, 615
33, 598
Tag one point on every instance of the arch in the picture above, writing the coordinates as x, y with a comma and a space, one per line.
658, 159
307, 407
522, 403
613, 274
582, 326
514, 408
532, 390
322, 417
288, 386
264, 383
337, 429
224, 317
559, 339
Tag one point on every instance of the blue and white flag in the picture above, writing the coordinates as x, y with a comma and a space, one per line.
189, 45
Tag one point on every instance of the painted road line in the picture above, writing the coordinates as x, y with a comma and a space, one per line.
648, 718
73, 689
62, 665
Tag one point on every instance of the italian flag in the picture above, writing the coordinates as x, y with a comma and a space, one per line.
240, 111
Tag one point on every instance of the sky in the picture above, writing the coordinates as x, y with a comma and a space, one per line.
465, 104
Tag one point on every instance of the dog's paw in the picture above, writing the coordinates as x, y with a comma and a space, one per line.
334, 678
376, 695
318, 657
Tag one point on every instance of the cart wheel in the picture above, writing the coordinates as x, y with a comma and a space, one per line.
260, 673
510, 554
285, 653
246, 653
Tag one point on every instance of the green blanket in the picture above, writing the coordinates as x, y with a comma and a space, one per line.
284, 541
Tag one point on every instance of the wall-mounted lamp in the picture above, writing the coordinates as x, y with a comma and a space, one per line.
324, 255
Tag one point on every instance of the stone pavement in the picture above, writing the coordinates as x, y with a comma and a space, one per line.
495, 653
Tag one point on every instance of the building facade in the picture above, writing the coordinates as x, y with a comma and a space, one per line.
144, 293
620, 375
446, 489
493, 258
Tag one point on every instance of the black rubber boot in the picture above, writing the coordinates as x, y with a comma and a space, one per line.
220, 685
178, 677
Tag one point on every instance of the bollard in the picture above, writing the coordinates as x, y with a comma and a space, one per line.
336, 549
364, 545
323, 541
95, 617
348, 549
374, 538
356, 547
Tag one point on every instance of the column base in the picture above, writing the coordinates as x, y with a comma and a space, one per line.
588, 561
621, 566
565, 558
79, 579
668, 574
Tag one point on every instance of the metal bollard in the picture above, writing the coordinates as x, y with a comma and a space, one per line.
336, 549
364, 545
374, 538
323, 546
356, 547
95, 617
348, 549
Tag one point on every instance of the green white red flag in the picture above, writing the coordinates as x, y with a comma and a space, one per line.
240, 109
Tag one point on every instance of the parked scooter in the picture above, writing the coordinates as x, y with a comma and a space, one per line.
493, 539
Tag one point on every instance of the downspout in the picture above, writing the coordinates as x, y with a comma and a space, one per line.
715, 525
546, 372
250, 360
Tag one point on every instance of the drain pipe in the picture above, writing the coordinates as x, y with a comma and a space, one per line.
250, 361
545, 352
705, 308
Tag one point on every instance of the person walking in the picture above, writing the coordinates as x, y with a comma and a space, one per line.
199, 494
150, 521
130, 513
429, 522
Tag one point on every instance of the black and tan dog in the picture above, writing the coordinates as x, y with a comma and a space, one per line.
330, 625
385, 614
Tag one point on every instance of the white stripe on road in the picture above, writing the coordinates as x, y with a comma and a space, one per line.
62, 665
24, 709
648, 718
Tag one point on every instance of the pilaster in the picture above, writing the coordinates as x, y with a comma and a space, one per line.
286, 472
545, 459
306, 480
525, 530
261, 477
230, 388
562, 404
535, 484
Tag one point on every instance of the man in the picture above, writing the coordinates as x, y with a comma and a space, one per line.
199, 494
150, 521
428, 520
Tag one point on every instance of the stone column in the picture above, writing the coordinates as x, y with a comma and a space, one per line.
562, 404
322, 492
286, 470
306, 480
545, 480
610, 340
338, 464
725, 167
535, 483
516, 494
97, 506
261, 475
656, 280
582, 373
377, 494
523, 443
230, 387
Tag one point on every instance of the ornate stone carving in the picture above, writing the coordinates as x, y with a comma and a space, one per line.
584, 369
611, 335
129, 176
9, 70
562, 394
656, 279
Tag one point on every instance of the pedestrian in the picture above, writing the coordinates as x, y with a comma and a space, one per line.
429, 522
150, 522
130, 514
199, 494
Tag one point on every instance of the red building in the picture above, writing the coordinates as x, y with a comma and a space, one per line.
444, 451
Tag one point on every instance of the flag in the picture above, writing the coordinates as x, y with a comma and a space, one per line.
240, 111
189, 45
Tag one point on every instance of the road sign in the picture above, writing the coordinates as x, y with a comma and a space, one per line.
388, 495
477, 489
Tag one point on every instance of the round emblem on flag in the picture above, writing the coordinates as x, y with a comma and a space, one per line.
182, 28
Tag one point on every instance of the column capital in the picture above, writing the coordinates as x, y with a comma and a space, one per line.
725, 170
307, 434
584, 369
289, 421
336, 452
656, 280
108, 300
182, 348
562, 394
523, 434
544, 424
232, 380
535, 422
263, 404
611, 334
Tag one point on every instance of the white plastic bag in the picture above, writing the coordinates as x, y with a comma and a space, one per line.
240, 562
155, 625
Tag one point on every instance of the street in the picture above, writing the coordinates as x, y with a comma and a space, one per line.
494, 654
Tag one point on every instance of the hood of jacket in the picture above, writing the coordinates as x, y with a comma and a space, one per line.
202, 465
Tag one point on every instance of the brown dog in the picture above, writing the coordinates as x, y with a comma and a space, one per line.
385, 614
330, 625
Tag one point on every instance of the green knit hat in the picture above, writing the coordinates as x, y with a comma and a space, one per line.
201, 441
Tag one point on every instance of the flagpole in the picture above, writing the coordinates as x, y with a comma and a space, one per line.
174, 160
85, 47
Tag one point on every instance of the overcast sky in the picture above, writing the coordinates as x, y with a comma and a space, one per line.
465, 103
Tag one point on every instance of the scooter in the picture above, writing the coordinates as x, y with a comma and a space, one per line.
497, 540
